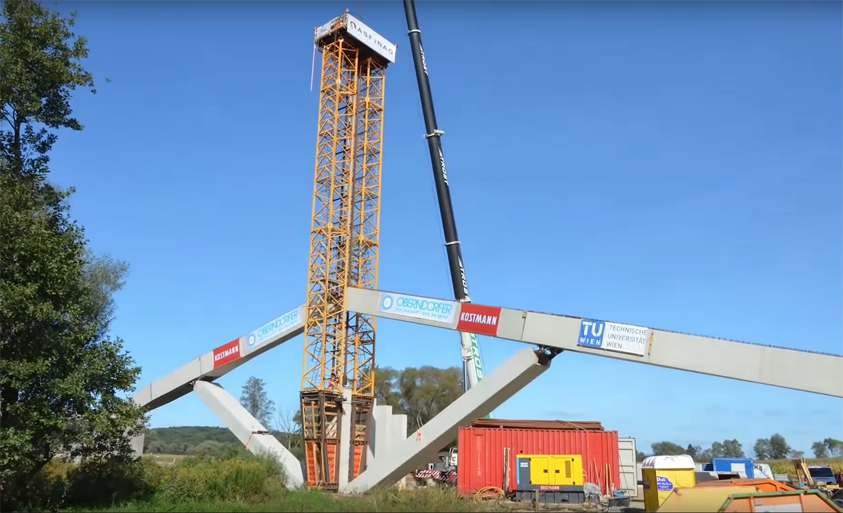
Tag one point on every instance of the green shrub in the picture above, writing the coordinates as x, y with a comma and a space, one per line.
44, 492
105, 482
213, 479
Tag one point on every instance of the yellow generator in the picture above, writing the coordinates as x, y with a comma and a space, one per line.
551, 478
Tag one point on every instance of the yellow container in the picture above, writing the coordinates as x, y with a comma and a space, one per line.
661, 474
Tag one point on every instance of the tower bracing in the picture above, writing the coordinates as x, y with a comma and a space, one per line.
339, 346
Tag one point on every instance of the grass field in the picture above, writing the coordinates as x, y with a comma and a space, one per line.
786, 466
164, 483
426, 499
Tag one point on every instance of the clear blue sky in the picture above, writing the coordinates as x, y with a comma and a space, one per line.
700, 143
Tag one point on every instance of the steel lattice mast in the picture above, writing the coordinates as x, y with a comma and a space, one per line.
339, 346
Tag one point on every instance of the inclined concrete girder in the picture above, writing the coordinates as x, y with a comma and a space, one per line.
405, 456
776, 366
252, 434
178, 383
203, 368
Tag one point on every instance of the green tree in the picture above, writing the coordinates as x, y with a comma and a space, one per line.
779, 449
820, 450
257, 402
387, 386
62, 379
834, 446
704, 456
727, 449
419, 392
666, 449
693, 451
762, 449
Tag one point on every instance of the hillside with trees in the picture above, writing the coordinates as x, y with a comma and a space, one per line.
421, 393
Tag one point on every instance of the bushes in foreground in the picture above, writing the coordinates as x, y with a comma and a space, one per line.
211, 484
104, 483
206, 484
419, 500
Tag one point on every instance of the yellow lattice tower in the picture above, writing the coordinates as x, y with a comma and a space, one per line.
339, 346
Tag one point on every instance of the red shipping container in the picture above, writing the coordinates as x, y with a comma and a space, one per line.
480, 454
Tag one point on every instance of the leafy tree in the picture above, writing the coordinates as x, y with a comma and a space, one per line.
666, 448
62, 379
762, 449
820, 450
256, 401
835, 447
693, 451
640, 457
796, 454
727, 449
779, 449
387, 386
419, 392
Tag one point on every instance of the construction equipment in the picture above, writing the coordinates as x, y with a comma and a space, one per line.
442, 471
470, 347
339, 346
550, 478
803, 475
823, 475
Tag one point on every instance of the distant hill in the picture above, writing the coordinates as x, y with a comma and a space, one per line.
198, 440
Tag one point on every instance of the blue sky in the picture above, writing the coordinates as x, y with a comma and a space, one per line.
676, 165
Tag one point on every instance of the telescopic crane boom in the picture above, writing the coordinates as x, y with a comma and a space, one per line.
472, 362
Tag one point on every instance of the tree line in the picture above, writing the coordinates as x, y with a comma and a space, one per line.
773, 448
418, 392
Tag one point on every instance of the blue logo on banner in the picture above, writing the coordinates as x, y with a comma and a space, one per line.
418, 307
663, 484
591, 333
386, 303
273, 328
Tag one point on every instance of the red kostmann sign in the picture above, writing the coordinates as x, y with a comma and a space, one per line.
227, 353
479, 319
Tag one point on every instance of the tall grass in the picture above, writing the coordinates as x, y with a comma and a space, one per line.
205, 484
786, 466
421, 500
107, 484
238, 484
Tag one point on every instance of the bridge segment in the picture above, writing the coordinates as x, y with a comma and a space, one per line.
807, 371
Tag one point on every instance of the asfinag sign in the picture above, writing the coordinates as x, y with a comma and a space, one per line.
417, 307
272, 329
359, 31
